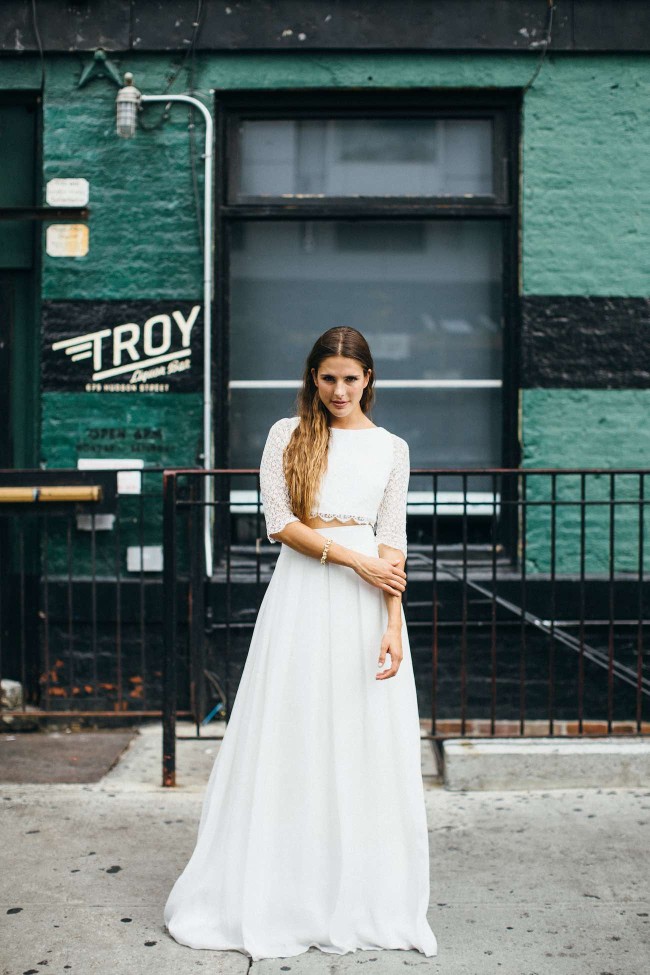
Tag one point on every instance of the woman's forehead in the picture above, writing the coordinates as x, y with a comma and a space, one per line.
339, 363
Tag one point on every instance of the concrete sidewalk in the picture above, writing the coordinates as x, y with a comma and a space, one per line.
541, 882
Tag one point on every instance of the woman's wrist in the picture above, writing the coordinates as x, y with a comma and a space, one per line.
340, 555
394, 607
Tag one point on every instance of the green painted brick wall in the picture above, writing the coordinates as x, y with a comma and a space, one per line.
586, 187
595, 429
129, 425
585, 204
93, 425
585, 158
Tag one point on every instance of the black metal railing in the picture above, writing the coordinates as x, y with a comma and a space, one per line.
81, 594
526, 604
526, 599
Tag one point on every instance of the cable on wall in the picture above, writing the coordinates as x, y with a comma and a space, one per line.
545, 43
38, 42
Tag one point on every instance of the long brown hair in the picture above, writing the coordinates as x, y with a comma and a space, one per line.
305, 456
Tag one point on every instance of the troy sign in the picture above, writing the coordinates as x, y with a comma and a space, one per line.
153, 356
147, 346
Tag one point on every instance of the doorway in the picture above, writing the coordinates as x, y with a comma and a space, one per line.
19, 383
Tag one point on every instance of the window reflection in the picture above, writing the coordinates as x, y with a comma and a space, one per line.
366, 157
427, 296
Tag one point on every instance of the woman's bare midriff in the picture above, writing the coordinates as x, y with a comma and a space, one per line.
321, 523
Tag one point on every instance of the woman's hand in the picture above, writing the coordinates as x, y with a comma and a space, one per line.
386, 574
391, 643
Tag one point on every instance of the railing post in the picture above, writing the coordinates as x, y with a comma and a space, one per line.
196, 598
169, 626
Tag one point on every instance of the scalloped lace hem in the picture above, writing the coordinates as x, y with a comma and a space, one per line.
326, 516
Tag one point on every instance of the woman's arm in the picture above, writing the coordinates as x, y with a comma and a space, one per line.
378, 572
308, 541
391, 545
393, 601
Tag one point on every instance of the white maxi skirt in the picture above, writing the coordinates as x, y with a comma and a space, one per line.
313, 829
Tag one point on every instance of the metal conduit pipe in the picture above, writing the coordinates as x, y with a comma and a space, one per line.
128, 101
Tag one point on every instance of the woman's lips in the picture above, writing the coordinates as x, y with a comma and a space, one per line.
338, 404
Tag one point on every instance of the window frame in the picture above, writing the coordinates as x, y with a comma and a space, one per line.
502, 105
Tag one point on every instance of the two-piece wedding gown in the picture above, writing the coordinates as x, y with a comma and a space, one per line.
313, 828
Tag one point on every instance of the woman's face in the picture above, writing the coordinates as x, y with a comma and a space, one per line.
340, 383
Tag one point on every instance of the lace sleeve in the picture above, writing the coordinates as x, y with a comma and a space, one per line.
273, 485
391, 517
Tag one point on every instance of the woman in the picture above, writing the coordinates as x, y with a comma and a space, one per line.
313, 830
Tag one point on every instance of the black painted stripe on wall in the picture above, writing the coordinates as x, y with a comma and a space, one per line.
582, 342
465, 25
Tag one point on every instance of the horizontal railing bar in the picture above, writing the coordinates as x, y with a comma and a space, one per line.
41, 713
248, 624
519, 472
441, 471
465, 508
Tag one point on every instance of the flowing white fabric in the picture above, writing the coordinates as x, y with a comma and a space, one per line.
313, 828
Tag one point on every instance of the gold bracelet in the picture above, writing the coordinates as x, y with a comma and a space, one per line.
324, 555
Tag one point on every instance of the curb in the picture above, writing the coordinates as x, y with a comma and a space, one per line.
546, 763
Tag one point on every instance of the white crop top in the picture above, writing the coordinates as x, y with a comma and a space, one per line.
366, 480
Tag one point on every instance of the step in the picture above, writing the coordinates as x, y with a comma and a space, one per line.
546, 763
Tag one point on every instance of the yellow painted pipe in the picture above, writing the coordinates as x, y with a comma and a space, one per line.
66, 492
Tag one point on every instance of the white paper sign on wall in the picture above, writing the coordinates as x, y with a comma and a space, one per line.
128, 469
66, 240
67, 192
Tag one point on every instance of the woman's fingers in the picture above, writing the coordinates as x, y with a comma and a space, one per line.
395, 661
392, 645
387, 673
395, 586
395, 589
395, 568
382, 574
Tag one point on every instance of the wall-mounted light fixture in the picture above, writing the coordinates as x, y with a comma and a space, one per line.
127, 103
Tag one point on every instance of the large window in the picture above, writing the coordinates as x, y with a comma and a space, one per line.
427, 296
391, 213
